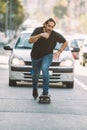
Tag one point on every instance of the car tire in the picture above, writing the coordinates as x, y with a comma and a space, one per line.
12, 83
83, 64
69, 84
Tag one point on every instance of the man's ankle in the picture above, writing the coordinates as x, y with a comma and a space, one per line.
35, 93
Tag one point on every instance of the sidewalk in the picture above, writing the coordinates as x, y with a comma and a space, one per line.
4, 61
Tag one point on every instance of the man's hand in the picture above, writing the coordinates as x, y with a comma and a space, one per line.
36, 37
45, 35
56, 55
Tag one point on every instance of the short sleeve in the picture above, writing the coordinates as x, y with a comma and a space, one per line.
60, 38
36, 31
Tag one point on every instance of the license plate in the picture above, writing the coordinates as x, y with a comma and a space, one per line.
50, 72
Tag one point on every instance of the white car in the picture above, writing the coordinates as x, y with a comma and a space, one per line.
20, 66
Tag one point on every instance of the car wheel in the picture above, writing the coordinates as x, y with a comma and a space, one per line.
69, 84
12, 82
83, 63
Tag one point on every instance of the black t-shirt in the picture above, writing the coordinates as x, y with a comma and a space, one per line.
44, 46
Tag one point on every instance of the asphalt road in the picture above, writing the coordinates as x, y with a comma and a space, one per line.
19, 111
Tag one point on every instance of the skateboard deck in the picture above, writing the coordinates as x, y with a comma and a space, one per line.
44, 99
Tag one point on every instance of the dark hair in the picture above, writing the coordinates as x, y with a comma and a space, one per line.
50, 20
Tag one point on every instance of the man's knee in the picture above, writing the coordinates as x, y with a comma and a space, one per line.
45, 68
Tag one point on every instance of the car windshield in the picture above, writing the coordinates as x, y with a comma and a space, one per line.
22, 43
74, 43
58, 46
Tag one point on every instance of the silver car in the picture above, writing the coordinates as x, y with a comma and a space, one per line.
83, 53
20, 66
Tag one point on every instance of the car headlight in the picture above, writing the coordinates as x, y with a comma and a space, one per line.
67, 62
71, 48
17, 61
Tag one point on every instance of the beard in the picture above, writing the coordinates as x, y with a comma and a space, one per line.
48, 31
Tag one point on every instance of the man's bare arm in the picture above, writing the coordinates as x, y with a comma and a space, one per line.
57, 54
63, 46
33, 39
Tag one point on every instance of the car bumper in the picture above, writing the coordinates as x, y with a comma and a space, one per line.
57, 74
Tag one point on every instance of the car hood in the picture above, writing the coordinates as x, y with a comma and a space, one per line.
64, 55
22, 53
26, 55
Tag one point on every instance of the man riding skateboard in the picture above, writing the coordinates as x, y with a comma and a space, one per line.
44, 40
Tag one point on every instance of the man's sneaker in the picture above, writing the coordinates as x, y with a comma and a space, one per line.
35, 93
44, 93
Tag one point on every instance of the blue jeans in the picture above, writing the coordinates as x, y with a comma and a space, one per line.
38, 65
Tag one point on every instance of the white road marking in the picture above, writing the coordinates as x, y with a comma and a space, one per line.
81, 84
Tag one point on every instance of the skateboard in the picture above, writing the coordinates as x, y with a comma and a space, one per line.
44, 99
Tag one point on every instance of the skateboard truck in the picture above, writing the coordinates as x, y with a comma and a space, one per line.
44, 99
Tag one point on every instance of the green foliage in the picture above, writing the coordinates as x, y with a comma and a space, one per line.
60, 11
15, 13
2, 6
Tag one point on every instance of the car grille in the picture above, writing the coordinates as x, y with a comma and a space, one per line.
53, 63
54, 70
28, 63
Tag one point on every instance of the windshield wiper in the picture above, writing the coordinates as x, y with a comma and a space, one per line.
23, 47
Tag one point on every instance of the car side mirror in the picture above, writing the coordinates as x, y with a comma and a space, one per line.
7, 48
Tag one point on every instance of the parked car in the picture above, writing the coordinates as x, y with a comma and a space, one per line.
83, 53
20, 66
74, 46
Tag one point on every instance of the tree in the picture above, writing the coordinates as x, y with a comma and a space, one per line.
15, 13
60, 9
